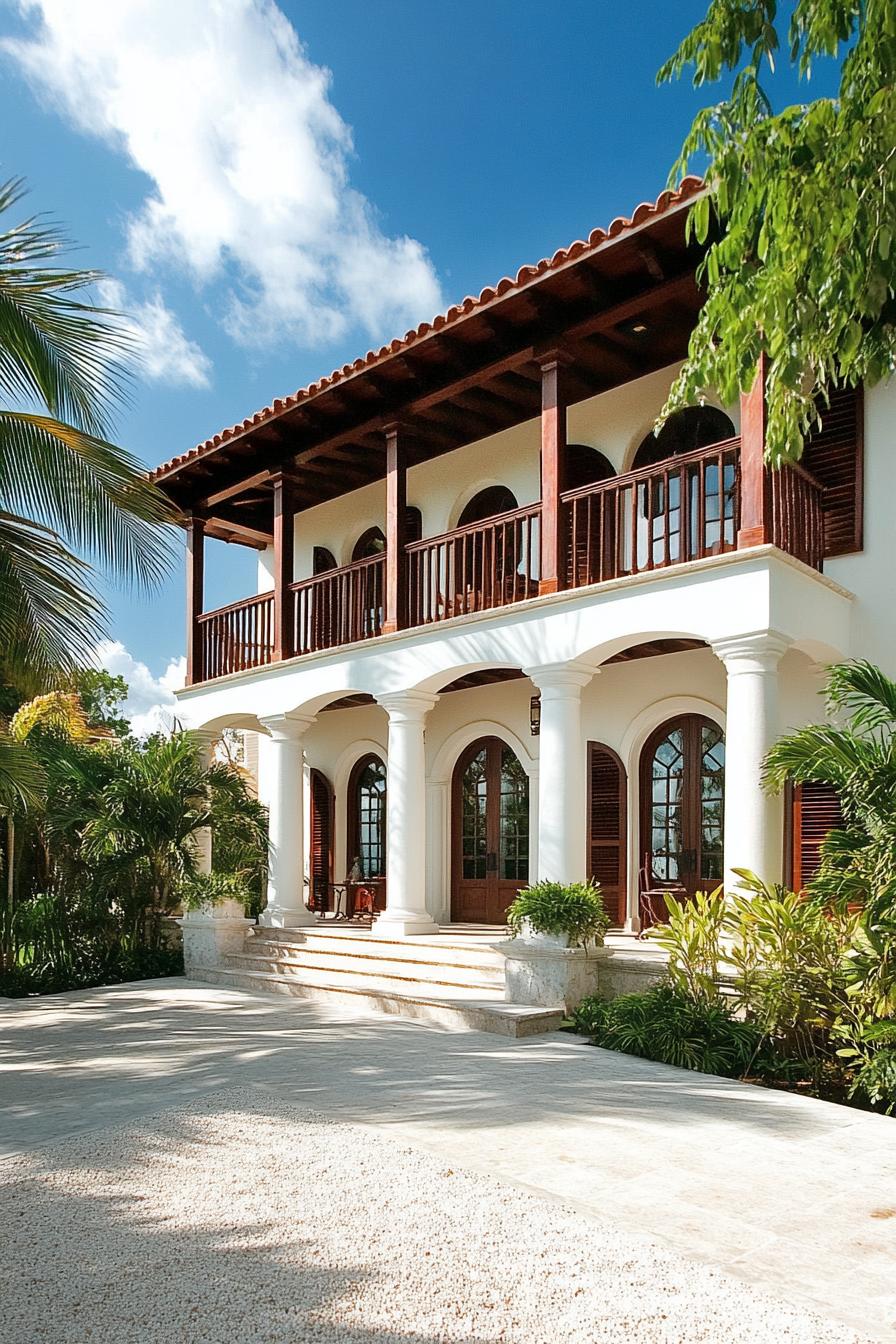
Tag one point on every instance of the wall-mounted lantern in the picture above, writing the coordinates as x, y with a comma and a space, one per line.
535, 715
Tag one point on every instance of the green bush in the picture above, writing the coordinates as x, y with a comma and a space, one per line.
90, 969
668, 1025
574, 908
214, 888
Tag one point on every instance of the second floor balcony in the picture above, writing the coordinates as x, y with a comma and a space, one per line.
684, 509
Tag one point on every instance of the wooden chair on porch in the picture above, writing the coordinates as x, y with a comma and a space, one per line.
652, 893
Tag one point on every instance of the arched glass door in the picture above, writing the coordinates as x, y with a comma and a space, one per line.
682, 800
490, 831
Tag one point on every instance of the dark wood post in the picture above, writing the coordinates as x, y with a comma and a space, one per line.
553, 471
755, 492
195, 589
396, 594
284, 635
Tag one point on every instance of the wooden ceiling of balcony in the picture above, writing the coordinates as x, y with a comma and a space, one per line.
473, 378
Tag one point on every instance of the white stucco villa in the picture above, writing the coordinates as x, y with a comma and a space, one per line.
503, 631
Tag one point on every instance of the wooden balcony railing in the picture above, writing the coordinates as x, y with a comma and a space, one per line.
682, 509
339, 606
234, 638
475, 568
797, 521
686, 508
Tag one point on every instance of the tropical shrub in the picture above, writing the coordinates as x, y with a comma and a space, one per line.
693, 939
667, 1024
574, 908
204, 889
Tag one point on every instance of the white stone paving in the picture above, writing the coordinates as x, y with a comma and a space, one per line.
643, 1186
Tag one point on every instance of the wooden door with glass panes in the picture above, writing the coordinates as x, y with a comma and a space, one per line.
682, 803
490, 825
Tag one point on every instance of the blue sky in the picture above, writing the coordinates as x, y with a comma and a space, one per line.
188, 147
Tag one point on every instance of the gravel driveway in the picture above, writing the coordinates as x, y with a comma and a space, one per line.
244, 1219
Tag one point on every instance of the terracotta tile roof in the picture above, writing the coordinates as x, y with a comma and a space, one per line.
647, 210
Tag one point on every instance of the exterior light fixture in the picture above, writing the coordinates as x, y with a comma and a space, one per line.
535, 715
636, 327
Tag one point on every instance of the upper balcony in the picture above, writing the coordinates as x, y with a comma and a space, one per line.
683, 509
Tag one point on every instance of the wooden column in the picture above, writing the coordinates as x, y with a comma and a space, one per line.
553, 471
195, 588
755, 493
284, 634
396, 587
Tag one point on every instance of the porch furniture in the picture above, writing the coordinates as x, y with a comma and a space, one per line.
360, 899
652, 893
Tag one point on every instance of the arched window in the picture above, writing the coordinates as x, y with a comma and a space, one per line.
586, 466
322, 560
685, 431
366, 816
372, 542
413, 523
493, 499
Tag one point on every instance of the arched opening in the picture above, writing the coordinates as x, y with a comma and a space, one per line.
585, 466
685, 431
366, 825
413, 524
682, 803
490, 832
688, 511
494, 499
321, 866
370, 543
322, 560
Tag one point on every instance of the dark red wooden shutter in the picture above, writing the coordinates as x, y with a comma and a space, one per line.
834, 456
321, 840
815, 811
606, 827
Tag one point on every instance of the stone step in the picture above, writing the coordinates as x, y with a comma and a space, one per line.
368, 960
373, 976
473, 951
455, 1011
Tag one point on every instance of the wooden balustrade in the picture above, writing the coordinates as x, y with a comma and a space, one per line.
339, 606
482, 566
236, 637
797, 518
682, 509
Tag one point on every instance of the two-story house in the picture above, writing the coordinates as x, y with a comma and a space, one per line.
503, 630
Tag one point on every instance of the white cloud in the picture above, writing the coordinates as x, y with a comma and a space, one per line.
217, 102
151, 705
165, 354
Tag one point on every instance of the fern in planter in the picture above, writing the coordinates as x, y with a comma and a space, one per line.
575, 909
206, 889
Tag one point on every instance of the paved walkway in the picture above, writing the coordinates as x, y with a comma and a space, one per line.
793, 1196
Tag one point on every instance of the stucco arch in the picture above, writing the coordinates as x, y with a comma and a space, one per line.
361, 525
244, 722
446, 757
470, 492
646, 425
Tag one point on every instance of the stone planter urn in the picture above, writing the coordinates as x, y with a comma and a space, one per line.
541, 969
210, 933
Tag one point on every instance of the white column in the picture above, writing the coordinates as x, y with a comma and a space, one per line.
406, 912
202, 839
285, 764
562, 772
753, 819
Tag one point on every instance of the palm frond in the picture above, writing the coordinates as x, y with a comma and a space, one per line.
55, 348
49, 618
89, 490
21, 777
819, 752
864, 692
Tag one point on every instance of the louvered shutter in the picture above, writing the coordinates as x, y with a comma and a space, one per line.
606, 827
815, 811
321, 840
834, 456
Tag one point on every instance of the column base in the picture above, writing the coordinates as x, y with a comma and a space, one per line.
403, 924
283, 917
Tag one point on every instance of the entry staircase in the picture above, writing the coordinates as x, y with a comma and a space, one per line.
454, 978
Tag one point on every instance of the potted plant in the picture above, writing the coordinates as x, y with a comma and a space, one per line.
551, 960
221, 895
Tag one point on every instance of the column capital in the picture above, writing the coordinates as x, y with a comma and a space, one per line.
561, 676
407, 706
759, 651
287, 727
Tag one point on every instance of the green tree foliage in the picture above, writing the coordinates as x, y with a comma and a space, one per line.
799, 215
101, 695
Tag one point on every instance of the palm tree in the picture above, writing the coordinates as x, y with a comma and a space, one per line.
856, 753
69, 498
